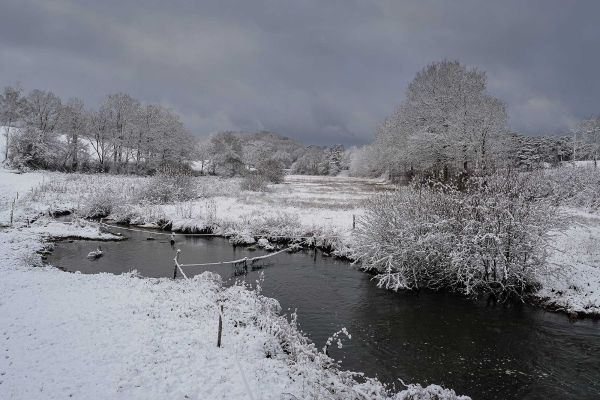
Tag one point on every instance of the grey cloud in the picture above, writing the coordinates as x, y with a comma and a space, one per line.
319, 71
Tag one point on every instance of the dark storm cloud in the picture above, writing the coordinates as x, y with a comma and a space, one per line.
320, 71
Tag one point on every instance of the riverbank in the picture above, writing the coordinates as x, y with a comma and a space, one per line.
575, 252
119, 336
321, 207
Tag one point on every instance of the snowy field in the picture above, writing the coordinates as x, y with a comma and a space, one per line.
105, 336
324, 207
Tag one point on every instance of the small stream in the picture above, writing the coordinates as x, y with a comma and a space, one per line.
501, 352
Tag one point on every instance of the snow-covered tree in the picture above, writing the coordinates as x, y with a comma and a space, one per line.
271, 169
12, 106
335, 156
446, 122
314, 161
367, 161
73, 123
42, 111
122, 111
37, 146
588, 134
98, 136
227, 154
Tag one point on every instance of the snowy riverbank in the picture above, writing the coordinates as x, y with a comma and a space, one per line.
107, 336
575, 252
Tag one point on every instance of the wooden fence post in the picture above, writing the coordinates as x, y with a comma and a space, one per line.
12, 212
220, 327
176, 259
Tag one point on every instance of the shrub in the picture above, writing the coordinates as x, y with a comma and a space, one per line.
271, 169
212, 186
254, 182
169, 185
569, 186
100, 204
489, 238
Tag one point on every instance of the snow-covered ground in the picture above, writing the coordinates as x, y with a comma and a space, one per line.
107, 336
65, 335
324, 207
575, 252
302, 206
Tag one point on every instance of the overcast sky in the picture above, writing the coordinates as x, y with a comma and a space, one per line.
318, 71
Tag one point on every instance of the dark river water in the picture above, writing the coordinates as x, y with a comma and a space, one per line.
516, 352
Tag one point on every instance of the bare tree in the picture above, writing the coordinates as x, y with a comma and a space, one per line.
73, 123
122, 112
203, 151
98, 136
42, 111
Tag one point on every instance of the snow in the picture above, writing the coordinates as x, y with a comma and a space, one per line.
579, 164
104, 336
80, 229
302, 206
109, 336
576, 255
2, 143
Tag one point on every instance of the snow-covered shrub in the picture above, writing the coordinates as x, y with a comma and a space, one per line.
242, 239
185, 210
431, 392
569, 186
169, 185
271, 169
100, 205
254, 183
489, 238
212, 186
32, 149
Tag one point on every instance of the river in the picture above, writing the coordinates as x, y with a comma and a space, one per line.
498, 352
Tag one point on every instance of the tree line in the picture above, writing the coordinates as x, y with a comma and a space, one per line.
122, 135
449, 125
234, 153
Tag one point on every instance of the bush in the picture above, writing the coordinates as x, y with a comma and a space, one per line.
100, 205
254, 183
569, 186
489, 238
169, 185
31, 149
271, 169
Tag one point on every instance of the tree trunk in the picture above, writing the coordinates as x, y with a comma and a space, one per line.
7, 134
75, 161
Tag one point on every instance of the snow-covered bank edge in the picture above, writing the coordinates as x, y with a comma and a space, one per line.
572, 290
575, 287
276, 358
